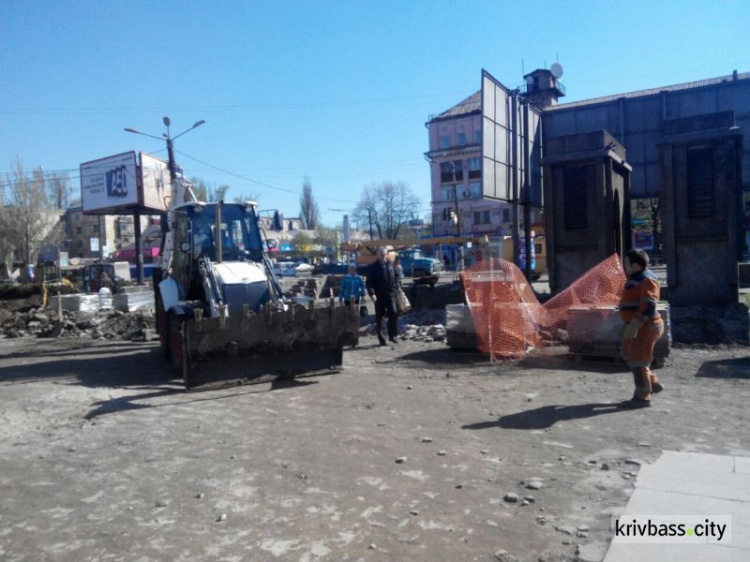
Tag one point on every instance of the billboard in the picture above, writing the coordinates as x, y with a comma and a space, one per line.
155, 183
511, 145
109, 183
497, 145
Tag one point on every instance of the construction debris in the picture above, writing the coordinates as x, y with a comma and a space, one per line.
106, 324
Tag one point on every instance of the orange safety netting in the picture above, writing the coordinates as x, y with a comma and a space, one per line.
510, 321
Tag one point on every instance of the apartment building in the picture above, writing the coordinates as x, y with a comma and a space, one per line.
455, 156
97, 236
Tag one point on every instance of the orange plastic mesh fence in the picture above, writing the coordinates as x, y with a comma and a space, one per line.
509, 320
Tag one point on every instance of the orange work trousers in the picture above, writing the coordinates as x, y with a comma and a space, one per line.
638, 353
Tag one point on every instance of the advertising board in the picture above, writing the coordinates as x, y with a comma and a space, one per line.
155, 183
109, 183
511, 145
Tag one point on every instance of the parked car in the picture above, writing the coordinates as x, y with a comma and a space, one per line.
291, 269
303, 269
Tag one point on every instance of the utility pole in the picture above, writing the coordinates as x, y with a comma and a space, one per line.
172, 166
458, 219
526, 193
515, 172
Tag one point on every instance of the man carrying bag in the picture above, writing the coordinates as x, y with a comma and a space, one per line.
383, 285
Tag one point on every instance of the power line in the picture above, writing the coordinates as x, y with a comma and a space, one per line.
256, 182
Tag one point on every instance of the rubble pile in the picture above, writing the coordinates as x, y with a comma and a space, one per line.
106, 324
422, 325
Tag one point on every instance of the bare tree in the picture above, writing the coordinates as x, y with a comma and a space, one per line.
207, 192
247, 196
647, 211
308, 206
27, 219
654, 204
7, 242
386, 208
59, 190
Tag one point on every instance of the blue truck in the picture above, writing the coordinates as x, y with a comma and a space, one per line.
416, 265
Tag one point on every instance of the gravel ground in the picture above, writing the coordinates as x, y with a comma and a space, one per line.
412, 452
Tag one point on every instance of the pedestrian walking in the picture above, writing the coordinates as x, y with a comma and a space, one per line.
643, 327
383, 282
352, 286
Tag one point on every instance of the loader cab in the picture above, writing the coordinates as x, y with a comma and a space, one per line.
196, 234
238, 233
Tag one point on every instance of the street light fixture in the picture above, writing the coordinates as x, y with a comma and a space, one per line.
170, 140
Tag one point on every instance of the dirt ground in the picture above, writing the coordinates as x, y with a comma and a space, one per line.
408, 454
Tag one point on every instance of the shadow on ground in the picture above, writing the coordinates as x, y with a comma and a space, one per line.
547, 416
567, 362
114, 364
133, 401
444, 356
738, 368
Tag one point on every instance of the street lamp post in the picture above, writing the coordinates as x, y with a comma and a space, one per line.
172, 166
457, 218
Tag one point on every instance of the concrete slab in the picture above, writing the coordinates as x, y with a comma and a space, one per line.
742, 465
675, 553
654, 502
698, 475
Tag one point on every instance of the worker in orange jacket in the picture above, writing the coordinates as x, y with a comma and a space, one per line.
643, 327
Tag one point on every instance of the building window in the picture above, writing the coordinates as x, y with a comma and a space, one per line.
478, 137
459, 169
95, 228
461, 139
77, 217
481, 217
475, 189
447, 194
506, 215
445, 141
700, 175
475, 168
575, 204
78, 230
79, 244
446, 173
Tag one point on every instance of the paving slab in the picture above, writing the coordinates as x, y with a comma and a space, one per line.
742, 465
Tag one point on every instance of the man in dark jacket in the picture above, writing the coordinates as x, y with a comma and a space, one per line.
383, 281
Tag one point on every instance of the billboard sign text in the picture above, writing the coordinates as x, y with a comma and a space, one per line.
109, 182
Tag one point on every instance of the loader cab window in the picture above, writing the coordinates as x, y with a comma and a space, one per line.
238, 233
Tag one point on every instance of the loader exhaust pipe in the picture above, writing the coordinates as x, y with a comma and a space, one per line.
219, 237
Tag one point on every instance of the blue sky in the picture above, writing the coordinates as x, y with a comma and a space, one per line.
338, 91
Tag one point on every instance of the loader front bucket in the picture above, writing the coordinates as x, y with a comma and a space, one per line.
262, 347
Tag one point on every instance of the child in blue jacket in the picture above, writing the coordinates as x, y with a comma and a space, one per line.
352, 286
